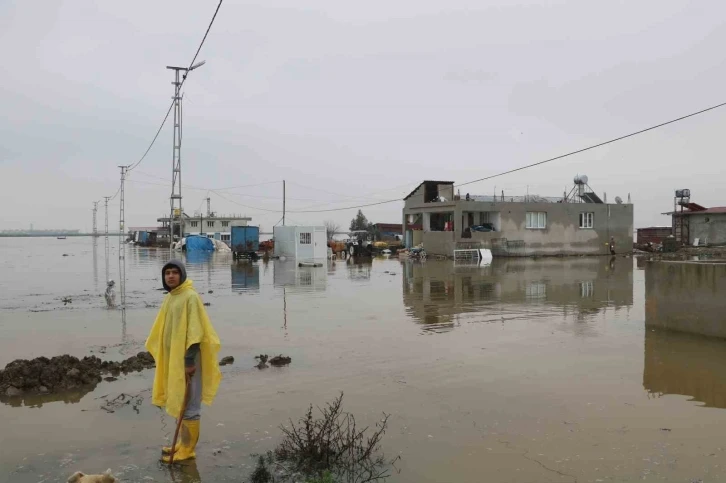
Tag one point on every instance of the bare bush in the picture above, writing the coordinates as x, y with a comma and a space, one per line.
333, 444
331, 228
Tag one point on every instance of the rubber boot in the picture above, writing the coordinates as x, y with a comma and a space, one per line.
167, 449
189, 438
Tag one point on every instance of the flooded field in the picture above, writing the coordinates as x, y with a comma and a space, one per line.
521, 371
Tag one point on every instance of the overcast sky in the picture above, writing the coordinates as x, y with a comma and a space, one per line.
354, 102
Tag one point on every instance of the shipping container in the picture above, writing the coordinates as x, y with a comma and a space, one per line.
245, 241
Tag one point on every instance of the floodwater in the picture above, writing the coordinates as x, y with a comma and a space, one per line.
521, 371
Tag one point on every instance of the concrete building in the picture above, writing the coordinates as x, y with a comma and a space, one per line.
575, 224
654, 234
685, 296
696, 222
211, 226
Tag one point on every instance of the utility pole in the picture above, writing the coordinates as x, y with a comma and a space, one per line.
283, 202
121, 247
175, 200
106, 198
95, 211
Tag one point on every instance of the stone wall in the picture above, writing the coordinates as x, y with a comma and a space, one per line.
686, 297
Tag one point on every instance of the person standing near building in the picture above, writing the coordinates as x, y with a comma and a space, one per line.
184, 346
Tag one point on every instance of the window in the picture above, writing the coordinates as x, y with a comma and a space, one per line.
225, 224
210, 224
226, 238
586, 220
536, 290
587, 289
194, 224
306, 238
536, 220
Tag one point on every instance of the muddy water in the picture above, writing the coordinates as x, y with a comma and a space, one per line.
522, 371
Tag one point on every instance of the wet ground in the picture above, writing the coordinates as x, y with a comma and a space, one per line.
522, 371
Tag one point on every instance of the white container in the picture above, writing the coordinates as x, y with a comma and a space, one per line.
301, 243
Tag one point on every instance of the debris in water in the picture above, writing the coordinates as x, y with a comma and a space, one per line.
262, 357
66, 300
280, 360
211, 291
65, 254
207, 304
226, 360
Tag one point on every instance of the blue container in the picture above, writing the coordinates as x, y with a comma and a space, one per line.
245, 239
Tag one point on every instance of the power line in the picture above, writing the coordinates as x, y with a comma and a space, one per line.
596, 145
200, 188
306, 211
487, 177
171, 106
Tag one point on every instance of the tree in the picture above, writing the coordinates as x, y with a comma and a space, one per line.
360, 222
331, 228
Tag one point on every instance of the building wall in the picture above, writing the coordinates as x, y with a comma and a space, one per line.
561, 236
686, 297
711, 232
203, 225
654, 234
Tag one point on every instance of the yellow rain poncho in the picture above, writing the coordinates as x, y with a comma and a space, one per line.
181, 322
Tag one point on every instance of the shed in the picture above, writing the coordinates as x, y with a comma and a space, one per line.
302, 243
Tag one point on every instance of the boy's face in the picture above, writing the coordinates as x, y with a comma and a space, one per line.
172, 276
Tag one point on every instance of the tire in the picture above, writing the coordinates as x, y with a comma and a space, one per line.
343, 254
351, 250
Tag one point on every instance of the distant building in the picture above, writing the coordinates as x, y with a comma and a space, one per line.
211, 226
578, 223
654, 234
693, 222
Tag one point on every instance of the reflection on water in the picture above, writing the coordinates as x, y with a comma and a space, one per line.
245, 276
359, 269
185, 472
72, 396
685, 364
289, 275
440, 295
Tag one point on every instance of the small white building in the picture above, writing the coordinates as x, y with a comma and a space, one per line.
210, 225
302, 243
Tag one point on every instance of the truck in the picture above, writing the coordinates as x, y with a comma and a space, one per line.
245, 242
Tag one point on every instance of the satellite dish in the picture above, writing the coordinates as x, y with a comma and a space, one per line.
618, 200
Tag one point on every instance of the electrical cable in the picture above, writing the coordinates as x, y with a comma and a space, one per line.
620, 138
184, 78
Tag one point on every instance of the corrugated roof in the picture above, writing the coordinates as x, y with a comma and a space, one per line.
424, 182
708, 211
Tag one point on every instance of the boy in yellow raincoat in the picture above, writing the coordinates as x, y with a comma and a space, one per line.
183, 343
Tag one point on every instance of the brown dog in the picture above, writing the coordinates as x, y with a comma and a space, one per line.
79, 477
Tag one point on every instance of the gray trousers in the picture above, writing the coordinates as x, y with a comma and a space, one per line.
194, 406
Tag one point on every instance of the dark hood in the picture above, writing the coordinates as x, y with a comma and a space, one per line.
178, 264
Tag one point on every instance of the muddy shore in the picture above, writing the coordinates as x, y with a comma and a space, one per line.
64, 373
